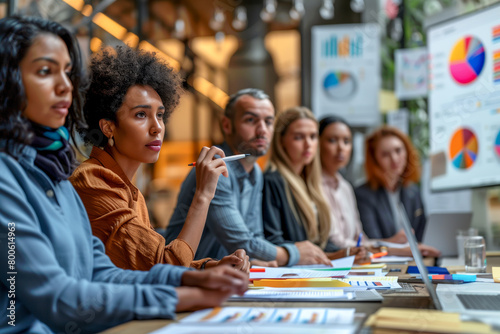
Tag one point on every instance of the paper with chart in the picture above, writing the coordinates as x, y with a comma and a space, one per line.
269, 315
392, 259
294, 294
367, 272
283, 273
251, 328
340, 268
321, 282
371, 282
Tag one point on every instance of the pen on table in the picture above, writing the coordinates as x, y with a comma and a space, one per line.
227, 159
359, 239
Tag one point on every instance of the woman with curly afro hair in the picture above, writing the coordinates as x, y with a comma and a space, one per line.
131, 95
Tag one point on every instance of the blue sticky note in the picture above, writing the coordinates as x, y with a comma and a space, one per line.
465, 278
431, 270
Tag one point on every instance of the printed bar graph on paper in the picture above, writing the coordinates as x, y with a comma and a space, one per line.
496, 67
496, 34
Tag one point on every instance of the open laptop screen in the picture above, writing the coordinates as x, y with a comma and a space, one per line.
417, 256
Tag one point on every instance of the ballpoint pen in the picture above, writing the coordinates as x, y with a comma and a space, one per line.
227, 159
359, 239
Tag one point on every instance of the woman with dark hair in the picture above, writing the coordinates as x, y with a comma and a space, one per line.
55, 276
294, 208
392, 169
131, 95
335, 140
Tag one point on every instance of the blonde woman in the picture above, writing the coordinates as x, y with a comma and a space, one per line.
294, 208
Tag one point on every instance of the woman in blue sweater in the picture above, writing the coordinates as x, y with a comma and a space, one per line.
55, 276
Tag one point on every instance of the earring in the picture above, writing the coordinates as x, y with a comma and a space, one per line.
111, 142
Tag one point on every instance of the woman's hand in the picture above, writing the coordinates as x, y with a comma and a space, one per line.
311, 254
398, 238
424, 249
361, 255
194, 298
238, 260
427, 250
221, 278
208, 171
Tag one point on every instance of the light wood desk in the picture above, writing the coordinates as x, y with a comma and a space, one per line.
420, 299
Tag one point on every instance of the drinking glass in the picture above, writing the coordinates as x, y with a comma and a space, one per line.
462, 235
475, 255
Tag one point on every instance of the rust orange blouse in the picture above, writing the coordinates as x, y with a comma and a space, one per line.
119, 217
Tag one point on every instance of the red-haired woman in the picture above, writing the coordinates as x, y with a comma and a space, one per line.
392, 169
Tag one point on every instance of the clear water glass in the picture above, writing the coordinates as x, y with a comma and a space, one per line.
462, 235
475, 255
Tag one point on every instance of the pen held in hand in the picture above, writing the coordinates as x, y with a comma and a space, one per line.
359, 239
227, 159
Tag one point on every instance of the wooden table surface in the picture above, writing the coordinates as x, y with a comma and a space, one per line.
414, 300
420, 299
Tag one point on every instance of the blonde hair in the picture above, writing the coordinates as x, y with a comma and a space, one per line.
305, 188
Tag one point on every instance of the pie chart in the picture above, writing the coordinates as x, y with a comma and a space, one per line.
339, 85
463, 148
497, 144
467, 60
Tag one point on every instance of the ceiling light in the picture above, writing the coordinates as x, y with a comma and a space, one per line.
240, 18
357, 6
298, 11
180, 29
327, 11
217, 21
269, 11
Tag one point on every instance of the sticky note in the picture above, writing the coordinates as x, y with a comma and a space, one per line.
496, 274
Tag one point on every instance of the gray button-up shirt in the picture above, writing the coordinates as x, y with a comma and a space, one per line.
234, 218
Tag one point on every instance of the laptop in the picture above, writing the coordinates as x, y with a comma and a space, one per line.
474, 301
441, 231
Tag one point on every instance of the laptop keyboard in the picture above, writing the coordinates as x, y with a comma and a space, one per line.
406, 288
480, 302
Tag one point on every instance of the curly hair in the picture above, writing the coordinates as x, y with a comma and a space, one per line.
374, 173
113, 72
17, 35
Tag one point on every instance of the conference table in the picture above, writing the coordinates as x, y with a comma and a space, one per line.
417, 300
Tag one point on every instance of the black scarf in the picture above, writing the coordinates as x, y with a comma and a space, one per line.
54, 153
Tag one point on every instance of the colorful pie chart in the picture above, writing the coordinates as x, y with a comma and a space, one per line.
339, 85
467, 60
463, 148
497, 144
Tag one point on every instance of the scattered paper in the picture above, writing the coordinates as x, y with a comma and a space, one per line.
252, 328
269, 315
392, 259
273, 273
290, 294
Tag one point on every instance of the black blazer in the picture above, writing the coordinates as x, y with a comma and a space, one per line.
280, 224
376, 214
